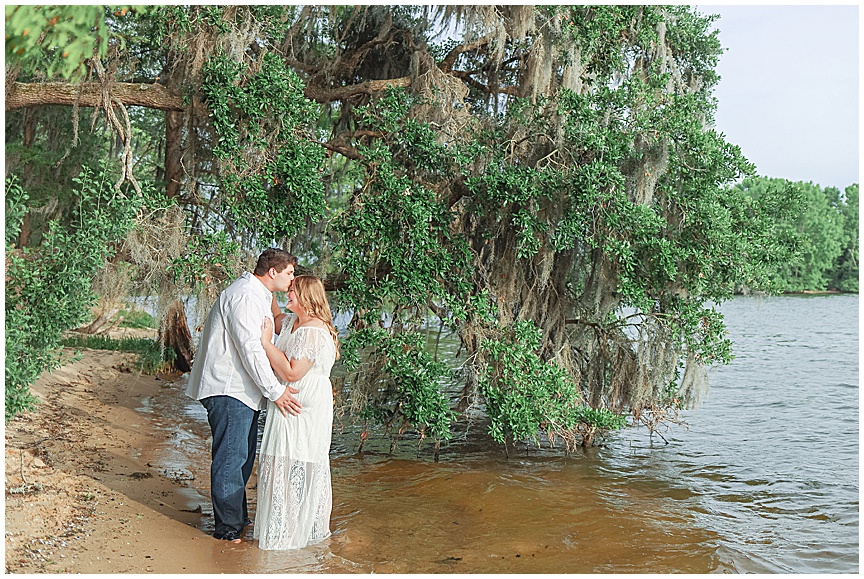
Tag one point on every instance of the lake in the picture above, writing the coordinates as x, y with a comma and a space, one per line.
764, 479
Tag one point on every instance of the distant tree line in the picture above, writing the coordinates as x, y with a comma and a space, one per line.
823, 231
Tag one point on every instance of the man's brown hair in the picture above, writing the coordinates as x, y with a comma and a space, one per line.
276, 258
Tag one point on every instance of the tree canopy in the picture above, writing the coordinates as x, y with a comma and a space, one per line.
542, 181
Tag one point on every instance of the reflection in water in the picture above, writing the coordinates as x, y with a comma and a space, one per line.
764, 480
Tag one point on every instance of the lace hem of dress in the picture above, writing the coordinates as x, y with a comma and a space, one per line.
296, 511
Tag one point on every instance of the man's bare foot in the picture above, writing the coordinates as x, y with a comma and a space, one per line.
230, 536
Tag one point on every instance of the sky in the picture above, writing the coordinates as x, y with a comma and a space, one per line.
788, 94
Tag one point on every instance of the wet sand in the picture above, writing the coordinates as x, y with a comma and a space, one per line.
81, 496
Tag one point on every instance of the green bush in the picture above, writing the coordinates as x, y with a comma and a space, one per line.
137, 319
526, 396
48, 287
409, 390
152, 358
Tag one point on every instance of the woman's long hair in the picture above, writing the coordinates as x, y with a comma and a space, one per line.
312, 297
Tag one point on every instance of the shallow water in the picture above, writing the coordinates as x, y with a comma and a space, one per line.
764, 480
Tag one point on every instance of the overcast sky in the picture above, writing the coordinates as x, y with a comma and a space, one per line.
789, 89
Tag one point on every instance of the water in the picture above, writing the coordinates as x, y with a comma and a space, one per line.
764, 480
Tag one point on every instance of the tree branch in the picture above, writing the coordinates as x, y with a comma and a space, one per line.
449, 60
302, 66
89, 94
471, 81
324, 95
339, 146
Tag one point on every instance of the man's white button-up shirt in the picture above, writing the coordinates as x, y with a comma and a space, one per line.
231, 360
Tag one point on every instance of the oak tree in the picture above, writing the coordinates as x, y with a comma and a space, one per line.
542, 181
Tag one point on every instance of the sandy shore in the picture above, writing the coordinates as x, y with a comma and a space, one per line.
80, 494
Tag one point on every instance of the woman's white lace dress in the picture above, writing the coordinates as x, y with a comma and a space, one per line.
294, 494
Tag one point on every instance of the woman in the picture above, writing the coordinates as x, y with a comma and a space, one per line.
294, 495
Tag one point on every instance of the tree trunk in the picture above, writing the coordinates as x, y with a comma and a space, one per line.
24, 232
27, 172
102, 324
173, 167
174, 334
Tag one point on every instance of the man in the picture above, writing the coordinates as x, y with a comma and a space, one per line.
233, 379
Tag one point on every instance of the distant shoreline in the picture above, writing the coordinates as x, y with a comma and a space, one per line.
798, 293
818, 292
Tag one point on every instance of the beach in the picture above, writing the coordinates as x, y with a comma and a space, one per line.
81, 496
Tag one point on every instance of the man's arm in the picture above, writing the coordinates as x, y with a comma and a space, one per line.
245, 332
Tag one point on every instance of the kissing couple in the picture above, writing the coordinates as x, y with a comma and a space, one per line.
237, 372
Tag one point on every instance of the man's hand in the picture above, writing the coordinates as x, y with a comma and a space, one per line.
287, 403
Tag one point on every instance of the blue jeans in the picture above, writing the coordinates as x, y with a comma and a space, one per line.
235, 438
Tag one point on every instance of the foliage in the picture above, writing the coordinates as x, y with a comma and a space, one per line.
48, 165
58, 39
135, 318
269, 165
845, 272
392, 241
151, 357
41, 166
396, 236
525, 395
580, 203
407, 390
204, 253
546, 183
48, 286
826, 245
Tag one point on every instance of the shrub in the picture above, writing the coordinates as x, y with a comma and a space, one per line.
48, 287
526, 396
137, 319
152, 358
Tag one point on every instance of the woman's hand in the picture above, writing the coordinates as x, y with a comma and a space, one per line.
267, 331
